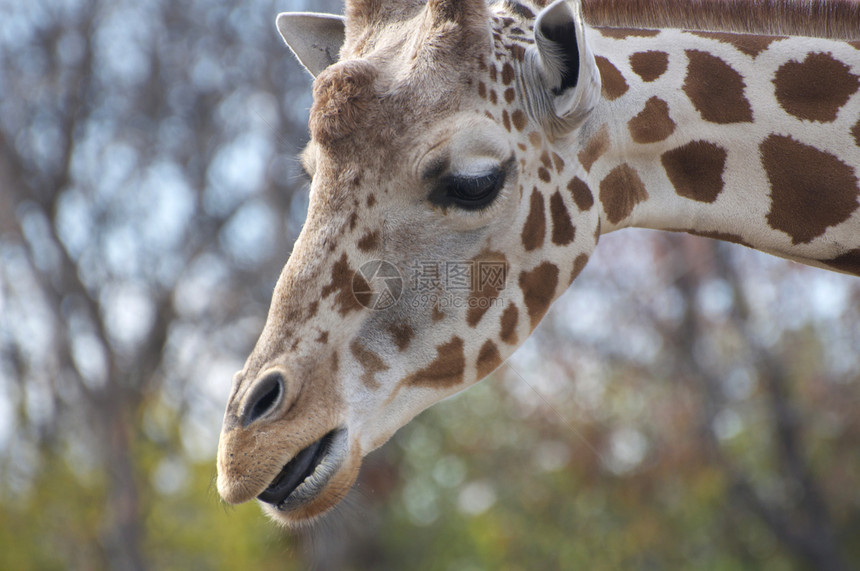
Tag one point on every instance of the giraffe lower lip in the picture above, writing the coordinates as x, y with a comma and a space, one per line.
304, 478
297, 471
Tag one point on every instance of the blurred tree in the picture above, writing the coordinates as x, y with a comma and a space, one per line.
147, 206
687, 404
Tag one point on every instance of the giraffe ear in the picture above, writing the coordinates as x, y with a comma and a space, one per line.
569, 78
315, 39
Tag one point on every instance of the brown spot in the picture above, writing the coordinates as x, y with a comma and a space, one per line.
544, 175
594, 148
494, 99
335, 363
506, 119
855, 130
538, 288
581, 194
491, 277
653, 123
849, 262
578, 266
510, 95
810, 189
696, 170
520, 120
855, 45
368, 242
747, 43
494, 77
342, 278
563, 231
614, 85
620, 191
518, 52
369, 361
558, 162
624, 33
508, 321
446, 370
438, 314
649, 65
402, 333
545, 160
816, 88
535, 225
482, 90
353, 220
535, 139
507, 73
488, 359
371, 200
322, 338
521, 10
312, 309
716, 89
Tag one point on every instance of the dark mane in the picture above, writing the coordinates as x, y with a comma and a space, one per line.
837, 19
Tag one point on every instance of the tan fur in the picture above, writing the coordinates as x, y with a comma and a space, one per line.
372, 13
836, 19
344, 96
459, 11
366, 16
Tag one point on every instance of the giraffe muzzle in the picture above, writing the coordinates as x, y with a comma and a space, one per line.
308, 473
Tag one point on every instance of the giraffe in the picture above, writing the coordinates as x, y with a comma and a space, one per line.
509, 137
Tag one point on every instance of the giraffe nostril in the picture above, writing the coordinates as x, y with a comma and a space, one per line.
265, 396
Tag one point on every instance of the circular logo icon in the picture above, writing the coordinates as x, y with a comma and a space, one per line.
377, 285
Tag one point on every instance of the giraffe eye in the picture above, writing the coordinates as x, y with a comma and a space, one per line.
467, 191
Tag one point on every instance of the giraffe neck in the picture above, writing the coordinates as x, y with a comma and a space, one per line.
837, 19
751, 139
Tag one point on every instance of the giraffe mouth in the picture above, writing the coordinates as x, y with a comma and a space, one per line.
305, 476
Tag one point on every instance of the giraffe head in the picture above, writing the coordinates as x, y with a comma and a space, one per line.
442, 224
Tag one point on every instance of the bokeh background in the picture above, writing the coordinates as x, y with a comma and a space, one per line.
687, 404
